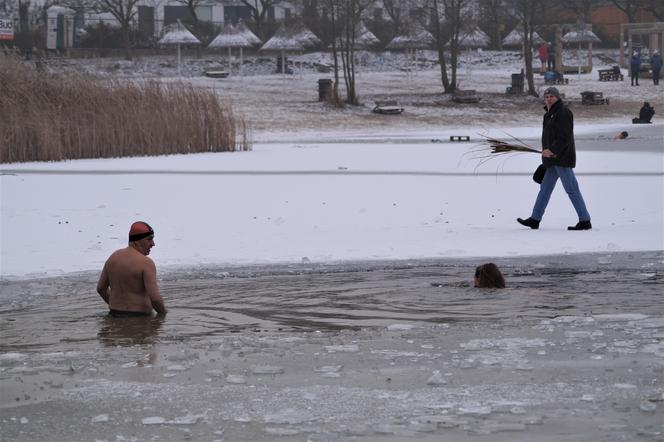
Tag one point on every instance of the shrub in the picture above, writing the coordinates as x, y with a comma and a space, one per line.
53, 118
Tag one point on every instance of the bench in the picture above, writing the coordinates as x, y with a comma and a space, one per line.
387, 107
591, 98
216, 74
610, 75
459, 137
556, 81
467, 96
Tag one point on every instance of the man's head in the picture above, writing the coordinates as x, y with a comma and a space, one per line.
141, 236
551, 95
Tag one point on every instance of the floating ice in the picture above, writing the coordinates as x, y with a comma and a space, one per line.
153, 420
647, 406
215, 373
350, 348
515, 343
189, 419
276, 431
329, 369
24, 420
177, 368
620, 317
11, 357
657, 349
475, 410
588, 397
436, 378
100, 419
400, 327
267, 369
624, 386
287, 416
236, 379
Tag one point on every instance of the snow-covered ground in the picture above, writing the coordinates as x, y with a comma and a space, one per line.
328, 184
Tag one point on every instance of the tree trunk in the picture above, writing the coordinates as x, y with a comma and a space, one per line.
126, 40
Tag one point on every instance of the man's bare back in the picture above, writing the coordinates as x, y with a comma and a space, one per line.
128, 281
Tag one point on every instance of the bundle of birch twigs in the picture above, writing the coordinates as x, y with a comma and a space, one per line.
511, 145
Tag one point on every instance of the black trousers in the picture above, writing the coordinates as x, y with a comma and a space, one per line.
635, 76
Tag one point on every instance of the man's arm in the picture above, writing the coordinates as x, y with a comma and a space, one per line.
150, 282
103, 286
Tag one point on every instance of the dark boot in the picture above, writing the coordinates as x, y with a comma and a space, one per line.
581, 225
529, 222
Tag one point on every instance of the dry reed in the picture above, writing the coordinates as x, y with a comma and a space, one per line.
52, 118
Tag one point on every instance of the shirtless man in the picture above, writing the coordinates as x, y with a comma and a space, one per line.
128, 282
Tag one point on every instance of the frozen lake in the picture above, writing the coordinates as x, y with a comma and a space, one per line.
400, 350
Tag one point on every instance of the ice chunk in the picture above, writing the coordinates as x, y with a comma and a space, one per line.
24, 420
153, 420
267, 369
236, 379
177, 368
475, 410
400, 327
349, 348
620, 317
288, 416
329, 369
11, 357
436, 378
100, 418
189, 419
648, 406
276, 431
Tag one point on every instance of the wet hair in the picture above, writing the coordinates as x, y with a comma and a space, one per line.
623, 135
488, 276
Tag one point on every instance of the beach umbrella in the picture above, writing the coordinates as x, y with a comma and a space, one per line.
283, 40
178, 34
364, 38
233, 37
304, 35
474, 39
244, 30
515, 38
581, 36
413, 39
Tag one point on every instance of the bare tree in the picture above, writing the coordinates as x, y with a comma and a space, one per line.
124, 11
529, 13
629, 7
656, 8
345, 18
397, 10
435, 12
493, 20
258, 11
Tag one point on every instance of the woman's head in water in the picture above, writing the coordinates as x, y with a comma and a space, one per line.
488, 276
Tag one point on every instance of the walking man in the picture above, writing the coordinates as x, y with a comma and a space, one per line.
656, 66
635, 67
128, 281
559, 159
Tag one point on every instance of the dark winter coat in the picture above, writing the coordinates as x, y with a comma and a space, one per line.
656, 62
558, 136
635, 62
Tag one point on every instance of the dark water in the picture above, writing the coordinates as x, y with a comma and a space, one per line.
572, 351
54, 312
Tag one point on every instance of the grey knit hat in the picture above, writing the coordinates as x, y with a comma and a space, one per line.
552, 91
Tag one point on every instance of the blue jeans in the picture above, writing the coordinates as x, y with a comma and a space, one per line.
566, 175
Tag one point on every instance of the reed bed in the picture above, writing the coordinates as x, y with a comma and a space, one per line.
53, 118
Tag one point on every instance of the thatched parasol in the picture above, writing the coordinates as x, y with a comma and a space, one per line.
233, 37
178, 34
414, 39
515, 38
364, 38
474, 39
285, 39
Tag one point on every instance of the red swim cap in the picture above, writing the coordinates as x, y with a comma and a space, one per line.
140, 230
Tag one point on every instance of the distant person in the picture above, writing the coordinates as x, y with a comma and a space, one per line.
543, 54
488, 276
634, 68
551, 60
656, 65
559, 159
128, 281
645, 114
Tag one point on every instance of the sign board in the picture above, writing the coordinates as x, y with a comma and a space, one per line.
6, 28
